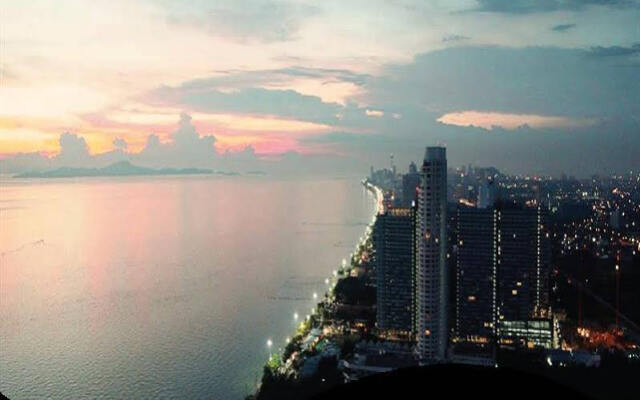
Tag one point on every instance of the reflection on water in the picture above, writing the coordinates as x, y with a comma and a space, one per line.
161, 287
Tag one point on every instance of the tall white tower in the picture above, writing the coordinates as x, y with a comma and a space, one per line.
431, 308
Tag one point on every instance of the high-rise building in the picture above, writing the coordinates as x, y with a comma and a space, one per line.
476, 265
431, 308
502, 273
410, 182
486, 193
523, 263
394, 243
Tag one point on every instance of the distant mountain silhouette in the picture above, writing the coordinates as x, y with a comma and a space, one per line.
122, 168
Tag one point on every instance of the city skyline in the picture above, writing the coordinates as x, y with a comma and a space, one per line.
544, 89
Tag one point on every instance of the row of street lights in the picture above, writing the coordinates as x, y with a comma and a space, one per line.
315, 294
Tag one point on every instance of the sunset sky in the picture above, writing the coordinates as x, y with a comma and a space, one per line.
494, 80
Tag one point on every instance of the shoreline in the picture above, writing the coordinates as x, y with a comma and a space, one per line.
313, 321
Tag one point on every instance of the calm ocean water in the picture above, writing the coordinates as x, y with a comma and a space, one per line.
161, 287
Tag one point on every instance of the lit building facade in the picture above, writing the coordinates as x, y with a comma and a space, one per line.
502, 273
476, 265
431, 289
524, 262
395, 259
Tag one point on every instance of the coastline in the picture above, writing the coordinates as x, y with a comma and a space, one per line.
282, 363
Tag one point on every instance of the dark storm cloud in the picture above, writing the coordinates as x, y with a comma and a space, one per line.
541, 81
533, 80
562, 27
532, 6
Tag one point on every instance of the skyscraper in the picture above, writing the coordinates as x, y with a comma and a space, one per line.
475, 274
431, 319
486, 193
503, 265
523, 263
410, 182
394, 243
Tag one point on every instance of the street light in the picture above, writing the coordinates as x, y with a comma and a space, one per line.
315, 295
295, 316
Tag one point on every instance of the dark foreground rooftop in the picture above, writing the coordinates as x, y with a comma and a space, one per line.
460, 381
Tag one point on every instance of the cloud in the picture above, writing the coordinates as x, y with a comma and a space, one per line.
615, 51
120, 144
73, 150
533, 6
373, 113
544, 101
186, 148
491, 120
454, 38
203, 97
343, 75
263, 21
531, 80
273, 78
562, 27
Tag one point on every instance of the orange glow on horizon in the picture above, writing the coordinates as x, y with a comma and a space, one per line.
489, 119
266, 134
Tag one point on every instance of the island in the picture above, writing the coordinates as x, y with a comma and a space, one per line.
122, 168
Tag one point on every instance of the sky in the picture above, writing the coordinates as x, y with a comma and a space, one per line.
540, 87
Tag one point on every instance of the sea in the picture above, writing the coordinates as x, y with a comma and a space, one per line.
162, 287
